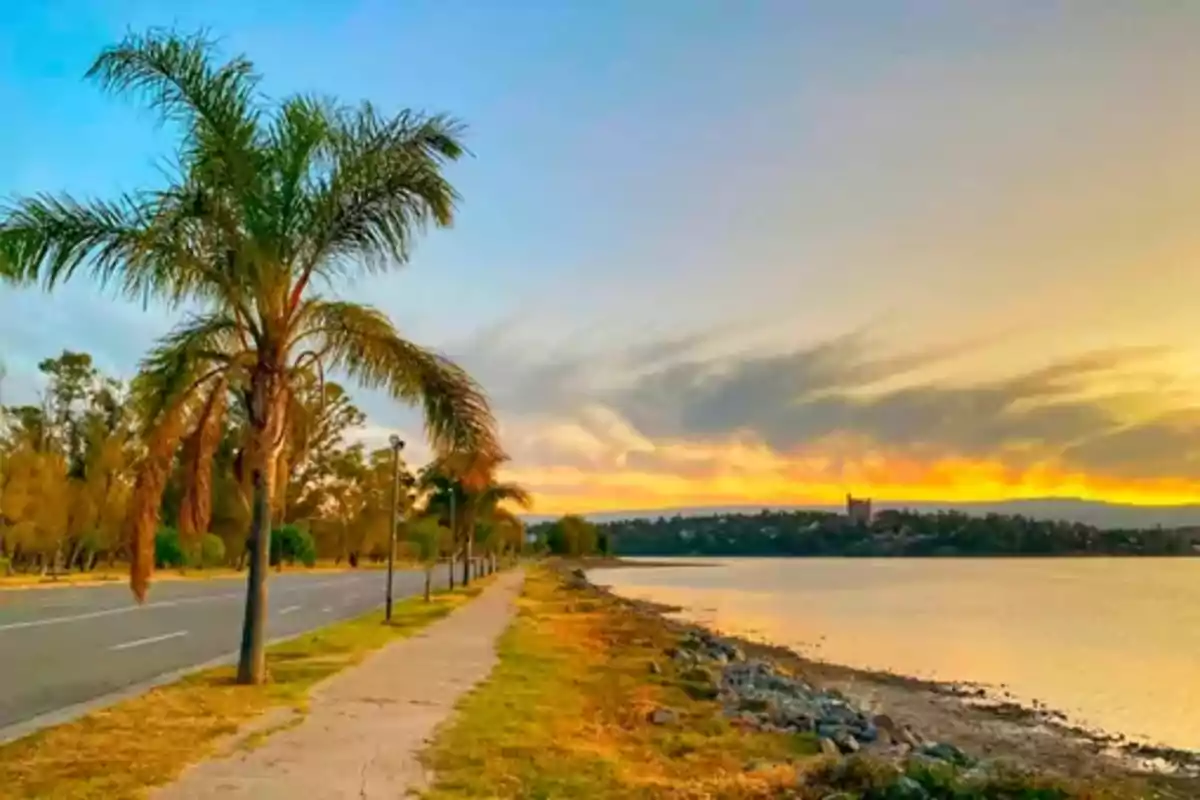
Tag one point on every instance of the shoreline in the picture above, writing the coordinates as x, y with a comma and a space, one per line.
968, 715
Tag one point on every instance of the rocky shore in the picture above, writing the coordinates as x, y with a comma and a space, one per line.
903, 721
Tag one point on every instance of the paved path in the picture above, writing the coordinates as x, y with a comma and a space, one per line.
63, 648
366, 725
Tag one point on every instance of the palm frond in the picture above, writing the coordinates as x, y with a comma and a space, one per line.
48, 238
152, 472
197, 351
385, 184
176, 75
497, 493
195, 507
362, 341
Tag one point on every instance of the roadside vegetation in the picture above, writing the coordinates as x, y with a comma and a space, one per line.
124, 750
585, 703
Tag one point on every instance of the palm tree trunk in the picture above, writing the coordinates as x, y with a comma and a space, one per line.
428, 581
267, 418
252, 666
450, 567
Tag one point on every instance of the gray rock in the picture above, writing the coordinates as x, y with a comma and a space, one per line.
847, 743
664, 716
830, 748
943, 751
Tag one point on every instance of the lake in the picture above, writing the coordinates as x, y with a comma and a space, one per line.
1113, 643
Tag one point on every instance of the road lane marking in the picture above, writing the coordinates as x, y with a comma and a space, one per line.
326, 610
149, 640
108, 612
288, 610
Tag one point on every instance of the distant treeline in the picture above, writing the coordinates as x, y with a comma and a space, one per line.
890, 533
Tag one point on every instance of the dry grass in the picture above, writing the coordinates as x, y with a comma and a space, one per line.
564, 714
147, 741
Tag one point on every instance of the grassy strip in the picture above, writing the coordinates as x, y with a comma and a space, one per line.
565, 714
147, 741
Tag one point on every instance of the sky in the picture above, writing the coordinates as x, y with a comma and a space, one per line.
722, 253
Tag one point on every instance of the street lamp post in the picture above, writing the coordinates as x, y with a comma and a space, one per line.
397, 445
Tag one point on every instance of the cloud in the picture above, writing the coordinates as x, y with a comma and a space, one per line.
677, 421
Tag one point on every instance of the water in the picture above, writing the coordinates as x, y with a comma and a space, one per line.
1113, 643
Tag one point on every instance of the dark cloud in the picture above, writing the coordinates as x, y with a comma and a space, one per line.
841, 387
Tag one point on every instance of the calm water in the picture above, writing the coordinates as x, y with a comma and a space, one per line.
1114, 643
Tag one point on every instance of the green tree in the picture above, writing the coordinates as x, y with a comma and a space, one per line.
574, 536
267, 202
429, 538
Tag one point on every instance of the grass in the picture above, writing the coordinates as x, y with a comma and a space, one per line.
564, 714
147, 741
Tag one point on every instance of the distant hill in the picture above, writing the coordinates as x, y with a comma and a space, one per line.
1099, 514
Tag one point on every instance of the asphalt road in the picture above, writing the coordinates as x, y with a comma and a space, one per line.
63, 647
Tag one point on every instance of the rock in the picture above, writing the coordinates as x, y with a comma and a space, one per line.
654, 668
664, 716
908, 736
887, 728
868, 733
943, 751
699, 690
847, 743
698, 674
830, 748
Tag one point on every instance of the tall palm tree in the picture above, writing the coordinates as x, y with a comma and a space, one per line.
468, 481
268, 201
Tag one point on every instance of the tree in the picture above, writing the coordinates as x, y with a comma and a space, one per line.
266, 202
572, 535
465, 482
429, 538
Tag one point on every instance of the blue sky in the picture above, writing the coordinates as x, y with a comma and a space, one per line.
971, 193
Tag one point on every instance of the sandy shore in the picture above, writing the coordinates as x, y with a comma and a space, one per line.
984, 726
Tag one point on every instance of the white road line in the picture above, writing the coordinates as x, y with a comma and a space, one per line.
150, 640
288, 610
107, 612
326, 610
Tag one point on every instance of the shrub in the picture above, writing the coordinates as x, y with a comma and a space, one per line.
211, 551
168, 552
291, 544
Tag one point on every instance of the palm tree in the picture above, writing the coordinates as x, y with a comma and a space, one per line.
268, 201
466, 482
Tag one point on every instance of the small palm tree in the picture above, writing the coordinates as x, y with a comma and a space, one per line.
466, 483
268, 203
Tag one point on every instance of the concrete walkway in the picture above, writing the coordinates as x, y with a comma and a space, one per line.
367, 724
